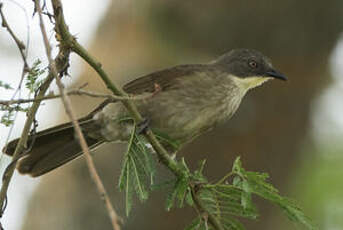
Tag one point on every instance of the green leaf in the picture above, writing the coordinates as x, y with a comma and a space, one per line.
255, 183
225, 201
237, 181
198, 174
125, 184
237, 166
32, 80
7, 118
163, 185
295, 214
184, 166
179, 192
232, 224
148, 161
182, 189
128, 191
189, 199
222, 202
195, 225
139, 185
201, 166
171, 199
5, 85
138, 170
246, 195
171, 144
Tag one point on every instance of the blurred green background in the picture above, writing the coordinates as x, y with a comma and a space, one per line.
272, 131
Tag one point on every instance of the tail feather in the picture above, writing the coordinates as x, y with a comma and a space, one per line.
52, 148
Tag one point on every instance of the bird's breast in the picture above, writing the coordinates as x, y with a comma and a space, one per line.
186, 112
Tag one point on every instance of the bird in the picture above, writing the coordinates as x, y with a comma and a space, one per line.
191, 99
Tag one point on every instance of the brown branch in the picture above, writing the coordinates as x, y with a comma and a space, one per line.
61, 61
76, 92
68, 107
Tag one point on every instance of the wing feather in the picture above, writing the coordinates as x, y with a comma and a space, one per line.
163, 78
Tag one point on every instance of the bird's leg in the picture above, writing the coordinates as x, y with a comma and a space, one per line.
142, 126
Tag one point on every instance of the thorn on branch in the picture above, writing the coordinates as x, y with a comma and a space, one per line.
157, 89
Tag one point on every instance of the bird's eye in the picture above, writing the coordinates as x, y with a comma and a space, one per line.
253, 64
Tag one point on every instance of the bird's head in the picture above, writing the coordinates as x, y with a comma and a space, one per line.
249, 68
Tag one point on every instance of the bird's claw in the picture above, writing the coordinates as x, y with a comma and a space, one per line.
143, 126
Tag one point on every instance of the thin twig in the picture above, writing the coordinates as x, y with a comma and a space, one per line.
23, 52
62, 62
76, 92
68, 107
221, 181
19, 43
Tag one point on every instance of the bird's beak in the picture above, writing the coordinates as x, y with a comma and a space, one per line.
276, 74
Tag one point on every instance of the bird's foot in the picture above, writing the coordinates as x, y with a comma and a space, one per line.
143, 126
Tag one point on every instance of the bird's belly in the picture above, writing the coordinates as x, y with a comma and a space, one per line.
181, 119
177, 124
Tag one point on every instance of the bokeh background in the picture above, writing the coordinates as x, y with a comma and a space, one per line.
290, 130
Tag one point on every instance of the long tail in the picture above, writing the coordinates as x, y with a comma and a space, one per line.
52, 148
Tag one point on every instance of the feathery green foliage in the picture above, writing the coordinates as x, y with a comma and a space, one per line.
138, 170
231, 197
7, 118
178, 192
5, 85
33, 82
258, 186
166, 141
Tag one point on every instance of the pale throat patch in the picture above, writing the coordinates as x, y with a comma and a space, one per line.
250, 82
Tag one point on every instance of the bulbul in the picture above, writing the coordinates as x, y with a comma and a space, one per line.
191, 100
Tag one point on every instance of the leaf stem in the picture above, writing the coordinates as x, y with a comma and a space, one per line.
221, 181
